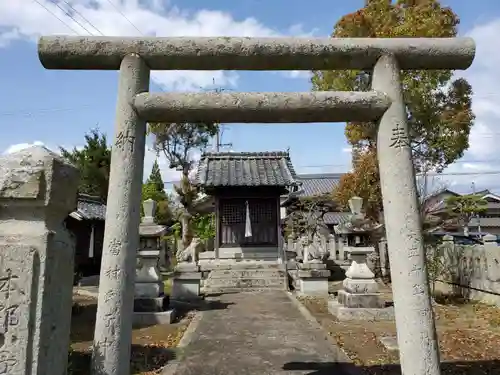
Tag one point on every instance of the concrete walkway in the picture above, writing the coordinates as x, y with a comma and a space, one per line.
257, 333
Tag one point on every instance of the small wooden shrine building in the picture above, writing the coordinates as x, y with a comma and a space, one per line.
246, 188
86, 224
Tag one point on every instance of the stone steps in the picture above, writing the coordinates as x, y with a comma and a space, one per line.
254, 277
244, 265
246, 274
223, 290
245, 283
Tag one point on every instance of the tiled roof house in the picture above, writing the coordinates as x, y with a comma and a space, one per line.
320, 184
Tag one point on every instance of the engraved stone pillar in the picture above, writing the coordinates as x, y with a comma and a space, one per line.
37, 192
419, 352
113, 330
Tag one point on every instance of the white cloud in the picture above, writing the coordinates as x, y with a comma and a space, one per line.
170, 176
21, 146
300, 74
484, 151
23, 19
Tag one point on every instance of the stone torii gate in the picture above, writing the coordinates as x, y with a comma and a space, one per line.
135, 57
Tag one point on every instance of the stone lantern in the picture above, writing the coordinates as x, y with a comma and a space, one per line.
356, 205
359, 298
150, 303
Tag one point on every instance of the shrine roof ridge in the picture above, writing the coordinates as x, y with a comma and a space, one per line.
320, 176
246, 155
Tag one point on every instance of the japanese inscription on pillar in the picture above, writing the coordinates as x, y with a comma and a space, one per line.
399, 138
125, 140
16, 279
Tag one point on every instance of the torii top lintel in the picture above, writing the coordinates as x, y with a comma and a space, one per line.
240, 53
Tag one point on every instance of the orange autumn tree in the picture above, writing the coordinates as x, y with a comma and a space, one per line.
438, 105
363, 182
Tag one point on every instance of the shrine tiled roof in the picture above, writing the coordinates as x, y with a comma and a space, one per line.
334, 218
89, 208
318, 184
245, 169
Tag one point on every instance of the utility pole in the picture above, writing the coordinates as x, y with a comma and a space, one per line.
218, 140
218, 135
477, 214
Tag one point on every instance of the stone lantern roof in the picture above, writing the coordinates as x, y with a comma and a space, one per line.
148, 226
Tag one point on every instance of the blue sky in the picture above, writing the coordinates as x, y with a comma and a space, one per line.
59, 107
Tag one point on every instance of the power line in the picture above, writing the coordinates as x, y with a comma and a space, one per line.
55, 16
484, 173
124, 16
31, 112
70, 16
428, 174
82, 16
348, 165
90, 23
117, 9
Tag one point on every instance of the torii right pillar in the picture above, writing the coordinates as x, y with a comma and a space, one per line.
416, 331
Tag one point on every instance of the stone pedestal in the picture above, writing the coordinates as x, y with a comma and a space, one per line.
148, 282
187, 282
360, 299
151, 305
313, 278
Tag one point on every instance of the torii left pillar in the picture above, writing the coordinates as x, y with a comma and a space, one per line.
113, 329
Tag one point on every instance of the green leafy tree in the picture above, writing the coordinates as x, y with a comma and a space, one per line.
464, 207
153, 189
93, 161
156, 179
439, 107
179, 143
204, 226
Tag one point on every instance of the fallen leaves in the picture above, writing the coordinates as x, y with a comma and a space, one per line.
469, 338
152, 347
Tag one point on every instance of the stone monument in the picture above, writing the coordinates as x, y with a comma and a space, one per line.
38, 190
151, 305
359, 299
